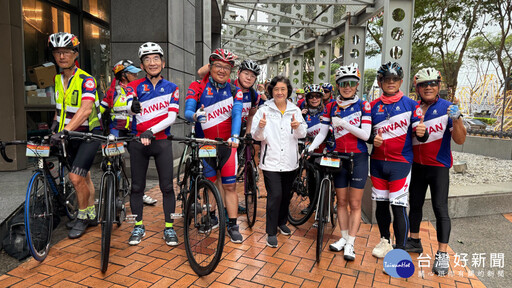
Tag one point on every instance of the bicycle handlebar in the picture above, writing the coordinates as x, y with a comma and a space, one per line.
95, 137
332, 154
188, 140
3, 145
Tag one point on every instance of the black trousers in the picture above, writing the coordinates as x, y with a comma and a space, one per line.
161, 150
278, 186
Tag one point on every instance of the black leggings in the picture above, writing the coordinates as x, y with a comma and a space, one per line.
278, 186
161, 150
400, 222
438, 178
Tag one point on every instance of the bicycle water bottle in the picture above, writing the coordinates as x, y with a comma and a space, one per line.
53, 170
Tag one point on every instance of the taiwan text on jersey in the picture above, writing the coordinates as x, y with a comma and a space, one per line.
356, 114
436, 150
218, 105
156, 103
397, 121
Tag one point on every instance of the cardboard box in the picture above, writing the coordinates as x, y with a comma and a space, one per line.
42, 75
35, 98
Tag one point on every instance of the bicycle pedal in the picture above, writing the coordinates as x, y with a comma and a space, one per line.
176, 215
130, 218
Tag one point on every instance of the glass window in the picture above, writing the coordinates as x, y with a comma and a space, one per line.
97, 8
96, 53
40, 20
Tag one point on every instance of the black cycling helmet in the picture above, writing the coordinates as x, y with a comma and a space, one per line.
390, 69
250, 65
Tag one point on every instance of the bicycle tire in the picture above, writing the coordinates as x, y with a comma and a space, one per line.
185, 184
300, 199
251, 194
38, 216
199, 263
121, 193
181, 167
108, 218
322, 209
333, 214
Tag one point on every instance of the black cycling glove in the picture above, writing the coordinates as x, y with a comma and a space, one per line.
148, 134
136, 105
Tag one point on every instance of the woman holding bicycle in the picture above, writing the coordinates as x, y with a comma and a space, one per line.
279, 126
351, 121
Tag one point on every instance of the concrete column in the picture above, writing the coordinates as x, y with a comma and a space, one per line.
322, 62
397, 36
354, 50
295, 75
13, 113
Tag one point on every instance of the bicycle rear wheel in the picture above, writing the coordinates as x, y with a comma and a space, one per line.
205, 228
38, 216
302, 203
107, 219
322, 218
70, 198
251, 193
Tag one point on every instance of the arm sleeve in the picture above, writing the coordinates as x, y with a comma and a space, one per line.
190, 109
320, 137
130, 94
167, 122
236, 113
362, 133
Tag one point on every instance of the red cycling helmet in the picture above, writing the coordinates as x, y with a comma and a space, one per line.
223, 55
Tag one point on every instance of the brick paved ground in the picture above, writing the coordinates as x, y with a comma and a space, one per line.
75, 263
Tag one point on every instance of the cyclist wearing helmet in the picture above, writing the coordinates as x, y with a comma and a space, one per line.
327, 93
351, 121
77, 106
155, 106
247, 74
313, 109
396, 119
116, 100
217, 105
432, 162
300, 94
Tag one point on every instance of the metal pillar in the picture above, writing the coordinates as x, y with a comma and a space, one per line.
271, 68
322, 62
295, 72
354, 51
397, 36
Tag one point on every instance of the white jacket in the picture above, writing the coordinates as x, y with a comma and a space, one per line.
279, 142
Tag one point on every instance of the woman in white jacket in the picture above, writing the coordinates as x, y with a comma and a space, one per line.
278, 125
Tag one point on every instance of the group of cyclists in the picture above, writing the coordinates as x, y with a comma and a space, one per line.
410, 139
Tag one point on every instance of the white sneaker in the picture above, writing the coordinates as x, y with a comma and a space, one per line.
382, 248
148, 200
338, 245
349, 253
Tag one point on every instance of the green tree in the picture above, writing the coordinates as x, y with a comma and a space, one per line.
369, 77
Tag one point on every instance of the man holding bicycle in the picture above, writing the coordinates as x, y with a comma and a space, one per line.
77, 105
155, 105
217, 105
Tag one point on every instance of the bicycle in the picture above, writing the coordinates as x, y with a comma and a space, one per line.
329, 163
114, 186
203, 209
45, 193
250, 170
301, 207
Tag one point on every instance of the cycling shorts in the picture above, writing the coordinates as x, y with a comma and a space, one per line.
226, 161
81, 154
390, 181
343, 178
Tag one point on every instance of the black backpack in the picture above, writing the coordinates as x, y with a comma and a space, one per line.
15, 242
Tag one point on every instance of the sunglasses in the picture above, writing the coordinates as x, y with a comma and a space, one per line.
317, 96
429, 83
391, 79
344, 84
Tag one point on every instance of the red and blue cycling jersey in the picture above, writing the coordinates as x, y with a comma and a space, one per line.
397, 121
356, 114
251, 99
223, 110
156, 103
436, 151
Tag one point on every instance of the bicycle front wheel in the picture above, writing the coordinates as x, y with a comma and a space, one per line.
322, 215
205, 228
251, 193
107, 212
38, 216
304, 196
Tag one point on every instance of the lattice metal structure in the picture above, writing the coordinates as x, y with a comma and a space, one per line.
268, 31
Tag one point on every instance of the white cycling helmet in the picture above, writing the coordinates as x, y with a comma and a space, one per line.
63, 40
427, 74
348, 73
150, 48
